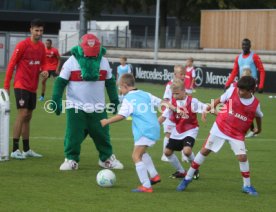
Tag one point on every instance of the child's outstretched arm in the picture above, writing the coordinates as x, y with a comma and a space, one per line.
259, 125
111, 120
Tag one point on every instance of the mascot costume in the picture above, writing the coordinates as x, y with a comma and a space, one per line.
86, 74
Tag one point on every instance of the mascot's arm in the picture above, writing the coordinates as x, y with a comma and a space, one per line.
58, 90
111, 88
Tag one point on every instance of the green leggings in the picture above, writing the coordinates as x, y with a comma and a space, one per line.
78, 125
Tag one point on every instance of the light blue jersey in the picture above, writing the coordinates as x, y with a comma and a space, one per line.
144, 117
123, 70
247, 63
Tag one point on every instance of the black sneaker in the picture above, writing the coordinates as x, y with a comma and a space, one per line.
196, 175
178, 175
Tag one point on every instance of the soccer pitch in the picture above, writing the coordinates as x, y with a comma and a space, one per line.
38, 185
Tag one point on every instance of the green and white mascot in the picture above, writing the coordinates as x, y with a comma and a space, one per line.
86, 74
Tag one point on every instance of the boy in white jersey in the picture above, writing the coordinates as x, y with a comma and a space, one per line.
189, 76
232, 122
179, 73
145, 128
123, 68
186, 128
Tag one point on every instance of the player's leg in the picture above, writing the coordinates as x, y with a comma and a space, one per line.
175, 145
141, 169
239, 149
212, 144
146, 158
165, 142
76, 132
101, 138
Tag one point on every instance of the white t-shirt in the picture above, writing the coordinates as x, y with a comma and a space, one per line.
168, 92
84, 95
197, 107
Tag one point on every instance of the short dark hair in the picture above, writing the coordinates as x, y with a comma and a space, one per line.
37, 23
246, 40
247, 83
49, 40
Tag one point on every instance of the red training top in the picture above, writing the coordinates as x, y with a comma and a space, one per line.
29, 60
52, 58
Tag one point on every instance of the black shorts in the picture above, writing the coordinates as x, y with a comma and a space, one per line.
52, 73
178, 145
25, 99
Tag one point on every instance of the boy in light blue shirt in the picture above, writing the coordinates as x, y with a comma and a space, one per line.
145, 128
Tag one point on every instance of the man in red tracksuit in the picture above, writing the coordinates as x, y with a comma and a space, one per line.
28, 59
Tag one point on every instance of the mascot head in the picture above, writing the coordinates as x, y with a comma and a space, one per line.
90, 45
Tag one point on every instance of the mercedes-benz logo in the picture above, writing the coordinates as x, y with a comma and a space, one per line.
199, 77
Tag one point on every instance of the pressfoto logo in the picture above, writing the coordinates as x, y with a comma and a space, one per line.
50, 107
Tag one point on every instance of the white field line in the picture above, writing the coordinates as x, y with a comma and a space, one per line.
124, 139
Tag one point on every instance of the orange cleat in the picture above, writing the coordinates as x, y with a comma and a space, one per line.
155, 180
143, 189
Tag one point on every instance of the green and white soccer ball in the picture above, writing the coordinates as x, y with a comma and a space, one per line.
106, 178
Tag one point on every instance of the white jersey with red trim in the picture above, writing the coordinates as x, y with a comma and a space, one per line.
85, 95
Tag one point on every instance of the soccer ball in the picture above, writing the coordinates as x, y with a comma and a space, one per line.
106, 178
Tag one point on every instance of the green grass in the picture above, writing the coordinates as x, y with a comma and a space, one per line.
38, 185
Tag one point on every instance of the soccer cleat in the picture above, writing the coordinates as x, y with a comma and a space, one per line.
183, 185
31, 153
69, 165
178, 175
249, 190
41, 98
251, 134
155, 180
164, 158
196, 175
17, 155
143, 189
111, 163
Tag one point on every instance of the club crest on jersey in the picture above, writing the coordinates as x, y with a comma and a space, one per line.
21, 102
91, 42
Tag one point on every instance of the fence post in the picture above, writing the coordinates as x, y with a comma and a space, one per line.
117, 36
189, 36
126, 37
146, 36
167, 36
65, 45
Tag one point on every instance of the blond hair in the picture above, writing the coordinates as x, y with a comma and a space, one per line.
178, 69
177, 84
190, 59
127, 79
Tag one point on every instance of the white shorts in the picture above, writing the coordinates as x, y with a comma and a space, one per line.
143, 141
214, 143
168, 126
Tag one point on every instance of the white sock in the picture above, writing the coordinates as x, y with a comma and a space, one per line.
149, 165
191, 157
244, 167
176, 163
199, 159
142, 174
165, 142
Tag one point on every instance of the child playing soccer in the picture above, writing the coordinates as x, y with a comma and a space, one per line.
233, 121
183, 135
123, 68
189, 76
145, 128
168, 125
